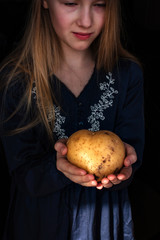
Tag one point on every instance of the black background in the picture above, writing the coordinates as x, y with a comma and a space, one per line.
141, 20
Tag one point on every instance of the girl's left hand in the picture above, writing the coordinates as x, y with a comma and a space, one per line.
125, 173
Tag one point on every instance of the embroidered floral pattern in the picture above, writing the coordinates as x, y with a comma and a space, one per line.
34, 92
106, 101
97, 110
59, 120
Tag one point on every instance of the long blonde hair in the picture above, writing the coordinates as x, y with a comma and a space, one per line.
39, 55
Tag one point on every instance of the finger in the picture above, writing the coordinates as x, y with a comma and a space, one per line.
89, 184
99, 186
106, 183
131, 156
64, 166
61, 147
113, 179
87, 180
125, 173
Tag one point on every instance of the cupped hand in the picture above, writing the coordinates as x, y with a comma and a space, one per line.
81, 177
125, 173
72, 172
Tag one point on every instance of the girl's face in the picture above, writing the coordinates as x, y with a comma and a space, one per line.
77, 23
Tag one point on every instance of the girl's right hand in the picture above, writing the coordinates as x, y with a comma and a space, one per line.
72, 172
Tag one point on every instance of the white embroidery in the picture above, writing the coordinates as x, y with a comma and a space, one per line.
34, 89
106, 101
59, 120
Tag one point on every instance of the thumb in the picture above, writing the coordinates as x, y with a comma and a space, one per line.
60, 146
131, 155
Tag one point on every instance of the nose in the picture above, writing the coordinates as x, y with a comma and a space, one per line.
85, 17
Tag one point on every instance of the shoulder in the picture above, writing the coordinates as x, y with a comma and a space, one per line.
128, 73
13, 85
129, 67
13, 93
125, 69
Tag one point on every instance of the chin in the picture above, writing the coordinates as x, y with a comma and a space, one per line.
82, 47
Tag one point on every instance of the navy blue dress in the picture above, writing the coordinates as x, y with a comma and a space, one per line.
44, 204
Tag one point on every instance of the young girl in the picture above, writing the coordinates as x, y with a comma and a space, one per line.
69, 73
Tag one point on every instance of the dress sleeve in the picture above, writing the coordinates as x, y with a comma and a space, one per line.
30, 156
130, 117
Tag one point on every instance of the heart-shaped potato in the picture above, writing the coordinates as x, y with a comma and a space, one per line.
100, 153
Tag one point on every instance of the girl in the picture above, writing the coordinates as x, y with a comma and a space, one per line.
69, 73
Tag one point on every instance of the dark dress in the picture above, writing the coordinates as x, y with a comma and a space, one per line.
44, 204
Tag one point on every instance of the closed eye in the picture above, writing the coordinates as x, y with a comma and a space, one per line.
100, 5
70, 4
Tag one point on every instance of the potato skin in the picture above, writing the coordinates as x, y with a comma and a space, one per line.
100, 153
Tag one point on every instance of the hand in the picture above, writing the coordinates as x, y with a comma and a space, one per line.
125, 173
72, 172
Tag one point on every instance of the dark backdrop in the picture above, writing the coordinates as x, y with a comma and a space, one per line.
141, 22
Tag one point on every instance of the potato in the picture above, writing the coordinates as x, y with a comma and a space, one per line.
100, 153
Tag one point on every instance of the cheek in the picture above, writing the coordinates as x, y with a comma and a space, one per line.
59, 22
100, 27
100, 21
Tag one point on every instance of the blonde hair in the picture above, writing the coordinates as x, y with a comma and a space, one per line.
39, 55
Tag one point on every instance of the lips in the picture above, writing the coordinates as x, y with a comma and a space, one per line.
82, 36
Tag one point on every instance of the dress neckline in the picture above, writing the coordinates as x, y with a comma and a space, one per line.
63, 85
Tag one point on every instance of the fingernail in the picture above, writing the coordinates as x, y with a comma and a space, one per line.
99, 187
94, 183
105, 181
120, 177
111, 177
